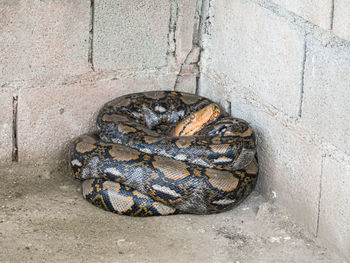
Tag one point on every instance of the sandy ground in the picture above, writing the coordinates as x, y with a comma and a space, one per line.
45, 219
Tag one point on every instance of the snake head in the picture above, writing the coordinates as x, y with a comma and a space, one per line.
197, 120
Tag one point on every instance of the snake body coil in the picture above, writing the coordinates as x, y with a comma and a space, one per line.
165, 152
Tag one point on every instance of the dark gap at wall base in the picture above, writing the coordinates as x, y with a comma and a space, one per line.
229, 105
14, 129
91, 34
301, 99
332, 15
197, 85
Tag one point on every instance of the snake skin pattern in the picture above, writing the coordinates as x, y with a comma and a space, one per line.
144, 160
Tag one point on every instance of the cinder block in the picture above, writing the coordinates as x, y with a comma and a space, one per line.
318, 12
6, 118
341, 20
290, 167
43, 39
64, 112
259, 50
186, 83
130, 34
326, 93
334, 223
185, 29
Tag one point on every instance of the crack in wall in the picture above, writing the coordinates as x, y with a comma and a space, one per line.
204, 19
301, 99
197, 85
332, 15
174, 14
193, 58
229, 106
206, 16
191, 62
197, 20
91, 35
14, 129
319, 197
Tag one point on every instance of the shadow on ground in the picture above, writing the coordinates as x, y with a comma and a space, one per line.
45, 219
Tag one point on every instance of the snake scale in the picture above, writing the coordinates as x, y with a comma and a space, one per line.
163, 153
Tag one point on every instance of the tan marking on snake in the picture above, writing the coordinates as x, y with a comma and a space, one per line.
123, 153
247, 133
126, 129
171, 168
220, 148
163, 209
184, 142
189, 98
114, 117
119, 202
84, 147
222, 180
151, 139
120, 103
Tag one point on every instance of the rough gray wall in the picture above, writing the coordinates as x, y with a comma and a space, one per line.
60, 61
285, 67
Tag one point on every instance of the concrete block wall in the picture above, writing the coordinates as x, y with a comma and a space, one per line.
284, 66
60, 61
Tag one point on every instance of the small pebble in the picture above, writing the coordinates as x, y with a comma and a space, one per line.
120, 241
275, 239
274, 194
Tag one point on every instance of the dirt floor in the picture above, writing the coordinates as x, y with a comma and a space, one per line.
45, 219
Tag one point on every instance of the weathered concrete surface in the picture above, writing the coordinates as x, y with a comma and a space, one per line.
130, 34
335, 205
260, 50
45, 219
43, 39
189, 71
6, 118
185, 27
49, 117
290, 168
253, 61
327, 93
318, 12
341, 22
186, 83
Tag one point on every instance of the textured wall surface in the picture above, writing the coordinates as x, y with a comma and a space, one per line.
60, 61
43, 39
284, 67
130, 34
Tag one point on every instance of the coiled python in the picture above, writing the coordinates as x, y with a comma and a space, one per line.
165, 152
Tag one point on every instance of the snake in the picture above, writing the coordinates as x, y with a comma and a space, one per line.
163, 153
